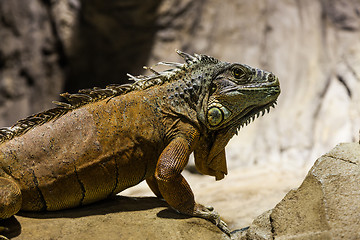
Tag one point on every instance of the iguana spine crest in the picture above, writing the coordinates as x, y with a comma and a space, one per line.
86, 96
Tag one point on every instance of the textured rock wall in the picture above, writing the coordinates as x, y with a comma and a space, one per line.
313, 46
31, 63
110, 39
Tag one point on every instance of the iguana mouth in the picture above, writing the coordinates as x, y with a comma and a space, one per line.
260, 86
263, 86
250, 113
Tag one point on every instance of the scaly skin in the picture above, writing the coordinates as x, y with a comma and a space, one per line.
97, 146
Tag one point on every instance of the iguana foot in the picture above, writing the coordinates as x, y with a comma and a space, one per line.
210, 214
3, 230
9, 228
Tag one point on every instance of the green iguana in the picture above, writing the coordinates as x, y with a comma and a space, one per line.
103, 141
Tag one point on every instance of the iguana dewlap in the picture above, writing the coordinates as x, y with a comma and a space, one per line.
106, 140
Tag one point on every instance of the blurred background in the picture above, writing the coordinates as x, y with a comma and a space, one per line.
51, 46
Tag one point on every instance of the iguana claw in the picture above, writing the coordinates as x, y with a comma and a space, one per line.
2, 230
210, 214
223, 227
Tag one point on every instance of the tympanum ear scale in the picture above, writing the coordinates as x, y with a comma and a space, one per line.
215, 116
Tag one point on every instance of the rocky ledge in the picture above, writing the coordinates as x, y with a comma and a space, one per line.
325, 206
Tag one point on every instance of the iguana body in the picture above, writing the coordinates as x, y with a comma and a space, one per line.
106, 140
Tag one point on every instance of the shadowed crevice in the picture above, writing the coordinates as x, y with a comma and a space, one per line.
111, 39
343, 82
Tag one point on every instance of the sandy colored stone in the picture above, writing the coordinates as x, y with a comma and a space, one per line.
118, 218
325, 206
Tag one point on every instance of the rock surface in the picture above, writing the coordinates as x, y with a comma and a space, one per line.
31, 60
325, 206
118, 218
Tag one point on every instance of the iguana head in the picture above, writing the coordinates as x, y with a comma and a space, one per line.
230, 95
238, 94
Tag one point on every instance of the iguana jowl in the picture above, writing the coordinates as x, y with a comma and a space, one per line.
103, 141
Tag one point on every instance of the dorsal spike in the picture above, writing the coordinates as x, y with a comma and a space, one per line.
208, 59
101, 93
77, 96
171, 64
76, 99
85, 91
5, 130
152, 70
187, 57
117, 88
131, 77
62, 104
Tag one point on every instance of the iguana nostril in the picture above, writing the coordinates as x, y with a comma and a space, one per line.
271, 77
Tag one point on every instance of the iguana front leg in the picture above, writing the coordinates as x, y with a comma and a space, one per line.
152, 183
173, 186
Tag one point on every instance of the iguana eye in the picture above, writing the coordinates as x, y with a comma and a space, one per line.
238, 73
